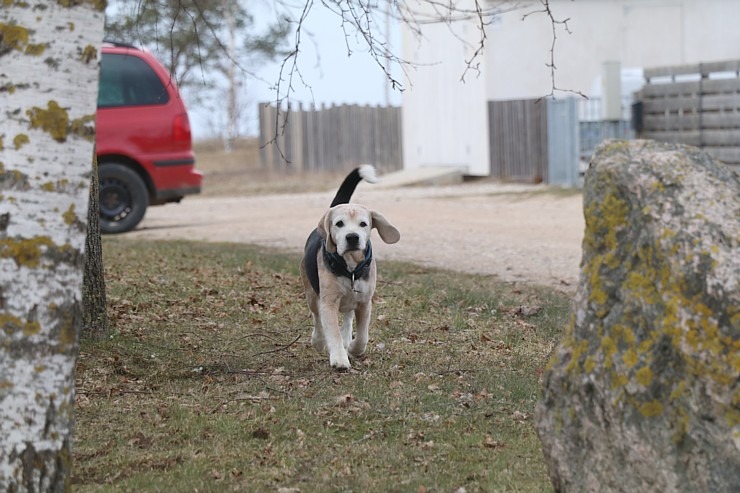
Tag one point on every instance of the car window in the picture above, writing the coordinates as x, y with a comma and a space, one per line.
127, 80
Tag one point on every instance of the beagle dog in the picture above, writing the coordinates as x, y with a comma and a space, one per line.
339, 273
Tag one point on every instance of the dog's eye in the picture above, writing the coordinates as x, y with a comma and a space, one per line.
363, 224
340, 224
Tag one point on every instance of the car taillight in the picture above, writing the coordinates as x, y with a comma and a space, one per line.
181, 130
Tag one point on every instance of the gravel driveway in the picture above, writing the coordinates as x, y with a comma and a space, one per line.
520, 233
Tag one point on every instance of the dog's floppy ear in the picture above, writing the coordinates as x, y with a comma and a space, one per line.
325, 232
388, 232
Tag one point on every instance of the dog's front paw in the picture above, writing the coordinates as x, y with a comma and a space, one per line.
340, 362
318, 342
357, 349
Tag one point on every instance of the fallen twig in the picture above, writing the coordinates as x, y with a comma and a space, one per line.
282, 348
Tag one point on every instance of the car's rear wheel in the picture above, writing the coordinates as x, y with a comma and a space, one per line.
123, 198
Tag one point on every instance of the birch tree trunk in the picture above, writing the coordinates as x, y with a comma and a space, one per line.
48, 87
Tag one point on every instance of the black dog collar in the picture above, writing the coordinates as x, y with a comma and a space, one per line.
338, 266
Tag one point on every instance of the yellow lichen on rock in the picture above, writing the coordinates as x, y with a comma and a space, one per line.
651, 409
650, 361
630, 358
644, 376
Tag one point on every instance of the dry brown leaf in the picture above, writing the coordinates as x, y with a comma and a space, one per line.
345, 400
261, 434
489, 442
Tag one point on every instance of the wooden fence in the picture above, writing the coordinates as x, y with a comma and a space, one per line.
518, 140
535, 141
693, 104
329, 139
530, 140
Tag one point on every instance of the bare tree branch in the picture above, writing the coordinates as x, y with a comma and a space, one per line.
361, 21
554, 23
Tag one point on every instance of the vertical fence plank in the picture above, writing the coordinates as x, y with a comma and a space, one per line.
518, 140
331, 139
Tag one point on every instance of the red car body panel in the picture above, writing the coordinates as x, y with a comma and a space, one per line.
155, 138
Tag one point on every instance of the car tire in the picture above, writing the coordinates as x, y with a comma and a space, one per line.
123, 198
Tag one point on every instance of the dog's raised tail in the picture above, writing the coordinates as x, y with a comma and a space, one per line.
347, 188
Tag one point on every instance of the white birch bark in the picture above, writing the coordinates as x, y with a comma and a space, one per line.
49, 52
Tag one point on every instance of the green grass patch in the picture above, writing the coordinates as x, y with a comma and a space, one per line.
208, 382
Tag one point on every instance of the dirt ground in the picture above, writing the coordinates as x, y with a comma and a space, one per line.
520, 233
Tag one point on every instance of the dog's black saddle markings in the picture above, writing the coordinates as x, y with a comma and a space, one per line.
313, 245
334, 262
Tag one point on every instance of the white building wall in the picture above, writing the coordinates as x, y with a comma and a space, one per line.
445, 121
636, 33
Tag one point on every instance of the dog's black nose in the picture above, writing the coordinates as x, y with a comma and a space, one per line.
352, 239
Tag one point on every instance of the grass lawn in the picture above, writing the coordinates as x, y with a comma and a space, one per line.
208, 383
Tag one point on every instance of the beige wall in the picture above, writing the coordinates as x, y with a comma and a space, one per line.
637, 33
445, 120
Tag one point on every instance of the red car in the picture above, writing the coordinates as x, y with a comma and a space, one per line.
143, 143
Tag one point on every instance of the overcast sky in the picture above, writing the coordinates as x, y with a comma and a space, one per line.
333, 76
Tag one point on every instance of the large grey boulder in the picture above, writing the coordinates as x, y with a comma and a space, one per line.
642, 393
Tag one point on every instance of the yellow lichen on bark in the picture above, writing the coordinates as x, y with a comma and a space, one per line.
31, 328
98, 5
35, 49
53, 120
89, 54
12, 324
20, 140
13, 37
83, 127
50, 90
70, 217
25, 252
